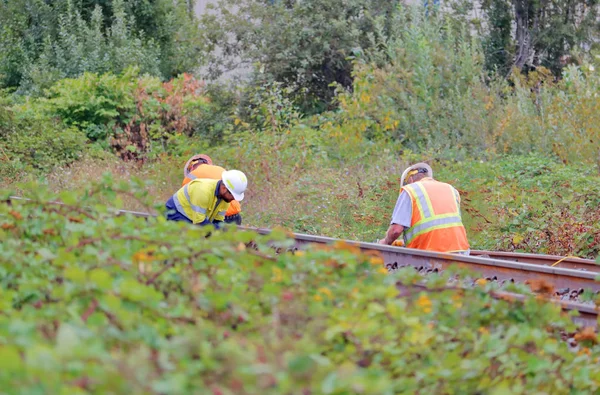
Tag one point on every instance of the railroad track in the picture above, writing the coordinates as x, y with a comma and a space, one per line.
567, 272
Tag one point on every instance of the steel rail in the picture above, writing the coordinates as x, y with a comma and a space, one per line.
500, 269
507, 269
540, 259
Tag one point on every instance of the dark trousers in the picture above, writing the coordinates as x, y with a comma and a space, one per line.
173, 214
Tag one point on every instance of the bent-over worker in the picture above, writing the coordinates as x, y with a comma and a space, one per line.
428, 213
201, 166
204, 201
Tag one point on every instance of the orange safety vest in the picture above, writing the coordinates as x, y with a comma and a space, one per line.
436, 223
214, 173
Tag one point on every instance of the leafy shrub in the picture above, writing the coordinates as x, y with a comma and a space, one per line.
43, 42
559, 118
44, 146
530, 203
97, 303
305, 45
38, 142
137, 115
433, 95
436, 97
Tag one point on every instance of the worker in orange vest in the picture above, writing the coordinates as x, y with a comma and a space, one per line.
201, 166
428, 213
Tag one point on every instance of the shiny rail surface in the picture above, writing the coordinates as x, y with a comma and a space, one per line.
538, 259
501, 269
501, 266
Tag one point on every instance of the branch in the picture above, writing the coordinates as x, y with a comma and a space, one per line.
90, 310
261, 255
164, 269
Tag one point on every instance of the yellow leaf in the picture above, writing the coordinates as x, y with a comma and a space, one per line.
376, 261
518, 238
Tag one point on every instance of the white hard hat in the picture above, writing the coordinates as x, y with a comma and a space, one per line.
425, 166
236, 182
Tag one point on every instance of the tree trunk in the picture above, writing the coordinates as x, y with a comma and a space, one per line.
522, 34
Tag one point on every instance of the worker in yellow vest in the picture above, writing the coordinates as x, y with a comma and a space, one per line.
201, 166
428, 213
203, 201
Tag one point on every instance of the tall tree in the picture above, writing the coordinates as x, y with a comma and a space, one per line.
529, 33
306, 44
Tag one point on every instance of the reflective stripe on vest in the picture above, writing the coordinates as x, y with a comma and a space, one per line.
436, 222
429, 221
179, 207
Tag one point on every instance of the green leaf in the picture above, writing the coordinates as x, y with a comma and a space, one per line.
328, 384
10, 359
75, 274
46, 254
101, 278
66, 339
301, 364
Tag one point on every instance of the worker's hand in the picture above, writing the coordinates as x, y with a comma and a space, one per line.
382, 241
398, 243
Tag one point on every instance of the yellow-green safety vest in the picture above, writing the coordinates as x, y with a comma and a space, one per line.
198, 200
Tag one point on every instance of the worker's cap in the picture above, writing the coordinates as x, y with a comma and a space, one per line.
415, 169
204, 159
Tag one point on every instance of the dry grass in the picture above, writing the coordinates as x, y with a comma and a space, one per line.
352, 202
164, 176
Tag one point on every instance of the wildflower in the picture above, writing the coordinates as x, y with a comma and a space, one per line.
326, 291
277, 275
376, 261
425, 303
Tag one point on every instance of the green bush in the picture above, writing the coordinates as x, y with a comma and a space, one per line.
529, 204
101, 304
135, 115
42, 145
43, 42
35, 141
305, 45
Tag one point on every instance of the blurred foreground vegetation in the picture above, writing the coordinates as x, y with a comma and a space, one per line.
94, 303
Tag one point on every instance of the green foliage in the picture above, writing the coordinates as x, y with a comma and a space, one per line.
96, 303
134, 115
433, 95
306, 45
437, 97
43, 42
38, 142
530, 204
527, 34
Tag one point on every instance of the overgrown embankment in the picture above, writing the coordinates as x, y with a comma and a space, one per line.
336, 173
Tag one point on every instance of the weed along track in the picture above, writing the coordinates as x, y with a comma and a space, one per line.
570, 283
567, 278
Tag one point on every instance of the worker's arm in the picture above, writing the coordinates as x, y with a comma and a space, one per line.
393, 232
401, 219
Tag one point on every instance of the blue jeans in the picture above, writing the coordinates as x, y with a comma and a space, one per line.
173, 214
